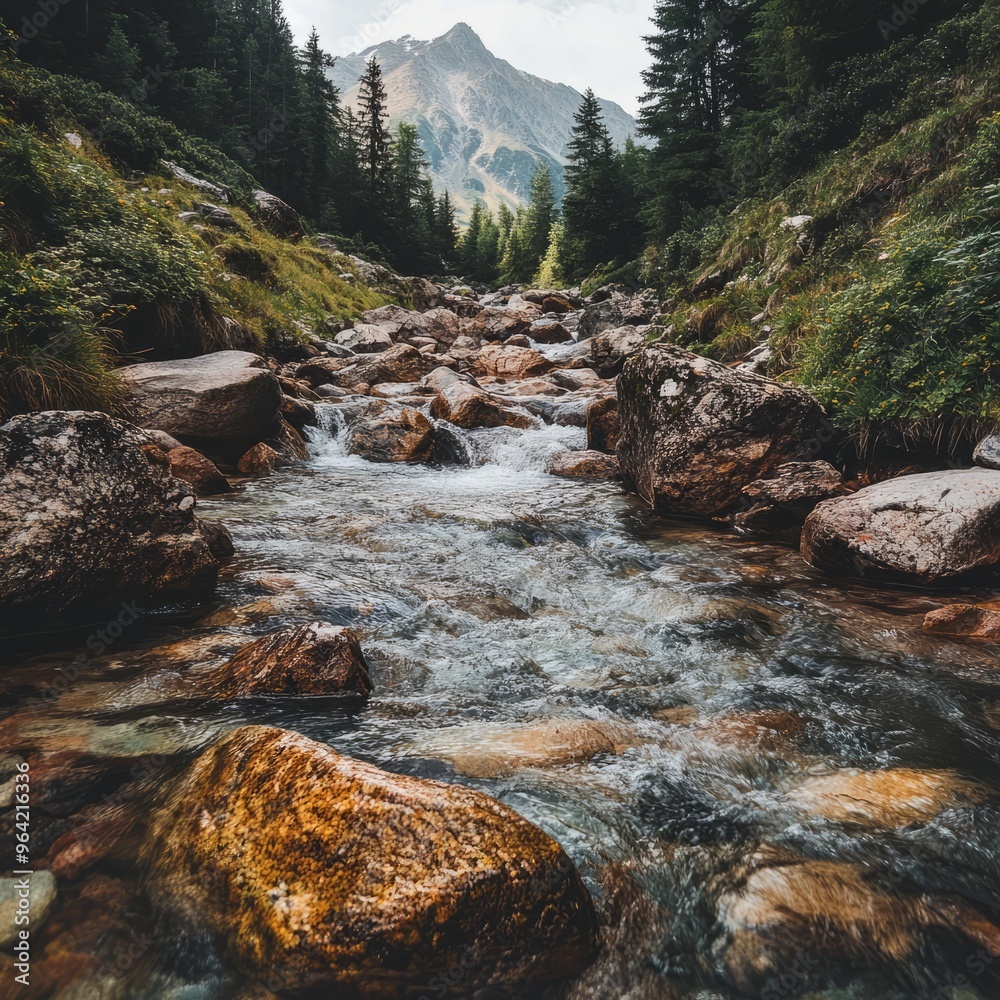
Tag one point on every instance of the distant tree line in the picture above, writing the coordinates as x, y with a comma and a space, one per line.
741, 97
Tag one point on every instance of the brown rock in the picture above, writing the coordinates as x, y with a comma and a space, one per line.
217, 538
404, 435
548, 331
220, 403
780, 505
790, 907
888, 799
603, 424
501, 322
198, 471
608, 350
511, 363
315, 659
298, 412
518, 340
289, 444
426, 294
695, 432
550, 301
492, 751
585, 464
260, 460
974, 621
469, 406
400, 363
556, 303
577, 378
329, 873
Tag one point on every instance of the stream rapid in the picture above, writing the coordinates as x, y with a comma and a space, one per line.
653, 694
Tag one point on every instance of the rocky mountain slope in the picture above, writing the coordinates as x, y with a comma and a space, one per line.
483, 123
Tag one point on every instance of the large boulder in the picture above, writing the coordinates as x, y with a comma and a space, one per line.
277, 216
694, 432
468, 406
924, 529
219, 403
90, 516
316, 871
394, 435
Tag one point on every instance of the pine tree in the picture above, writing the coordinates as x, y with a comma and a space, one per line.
446, 231
590, 207
409, 185
319, 117
540, 217
517, 265
374, 144
689, 90
118, 67
550, 272
469, 259
505, 223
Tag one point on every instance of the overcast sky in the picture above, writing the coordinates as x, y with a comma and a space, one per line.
596, 44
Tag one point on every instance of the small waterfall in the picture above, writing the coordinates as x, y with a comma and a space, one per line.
328, 439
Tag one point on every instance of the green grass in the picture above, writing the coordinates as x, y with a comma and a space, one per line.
94, 266
887, 307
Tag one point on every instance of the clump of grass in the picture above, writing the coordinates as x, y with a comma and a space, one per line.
53, 354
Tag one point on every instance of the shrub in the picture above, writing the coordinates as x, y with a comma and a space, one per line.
53, 355
912, 346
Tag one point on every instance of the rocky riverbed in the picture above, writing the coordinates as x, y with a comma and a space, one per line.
464, 715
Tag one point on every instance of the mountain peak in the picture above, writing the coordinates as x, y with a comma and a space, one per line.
485, 126
461, 29
463, 35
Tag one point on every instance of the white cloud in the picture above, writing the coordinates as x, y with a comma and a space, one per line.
595, 43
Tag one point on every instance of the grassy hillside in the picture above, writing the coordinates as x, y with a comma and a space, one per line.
885, 301
97, 268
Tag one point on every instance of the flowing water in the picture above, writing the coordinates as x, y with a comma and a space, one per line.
656, 696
